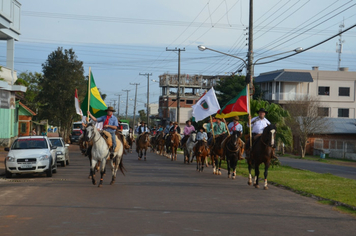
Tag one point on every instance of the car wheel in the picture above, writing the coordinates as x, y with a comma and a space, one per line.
8, 174
49, 171
63, 163
67, 161
55, 168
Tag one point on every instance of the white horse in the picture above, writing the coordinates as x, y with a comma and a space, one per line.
189, 145
100, 152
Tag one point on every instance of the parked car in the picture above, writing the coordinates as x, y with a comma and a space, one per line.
31, 154
74, 137
125, 128
62, 150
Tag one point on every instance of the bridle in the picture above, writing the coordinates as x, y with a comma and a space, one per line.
91, 138
237, 147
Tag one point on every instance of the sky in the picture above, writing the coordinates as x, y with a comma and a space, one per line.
120, 39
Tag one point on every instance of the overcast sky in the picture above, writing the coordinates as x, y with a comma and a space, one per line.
120, 39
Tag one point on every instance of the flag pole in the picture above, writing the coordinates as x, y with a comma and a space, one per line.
212, 128
227, 128
249, 115
89, 92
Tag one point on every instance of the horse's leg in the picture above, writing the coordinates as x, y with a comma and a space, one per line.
114, 167
219, 173
92, 171
145, 153
172, 153
89, 177
257, 173
265, 174
215, 161
202, 164
228, 167
233, 166
102, 172
249, 172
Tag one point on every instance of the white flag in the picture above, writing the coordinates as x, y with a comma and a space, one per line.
206, 106
76, 103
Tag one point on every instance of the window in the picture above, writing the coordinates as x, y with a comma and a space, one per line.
189, 101
323, 111
342, 112
23, 128
173, 100
324, 91
344, 91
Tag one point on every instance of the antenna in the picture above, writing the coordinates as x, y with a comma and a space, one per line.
339, 44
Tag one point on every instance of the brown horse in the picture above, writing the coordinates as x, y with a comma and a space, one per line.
174, 146
233, 152
201, 152
160, 143
262, 152
130, 140
142, 143
217, 153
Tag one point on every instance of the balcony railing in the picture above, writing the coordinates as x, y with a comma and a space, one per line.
284, 96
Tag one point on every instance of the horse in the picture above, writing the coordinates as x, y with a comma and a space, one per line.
153, 145
189, 145
160, 143
142, 143
130, 140
200, 152
217, 153
233, 152
262, 152
174, 146
168, 145
100, 152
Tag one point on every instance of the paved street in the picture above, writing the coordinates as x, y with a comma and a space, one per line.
319, 167
158, 197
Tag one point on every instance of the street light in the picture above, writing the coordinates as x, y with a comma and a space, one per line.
153, 80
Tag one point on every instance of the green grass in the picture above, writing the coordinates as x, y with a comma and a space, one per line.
326, 186
329, 160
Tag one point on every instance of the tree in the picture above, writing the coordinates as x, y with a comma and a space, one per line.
143, 116
305, 120
62, 74
31, 81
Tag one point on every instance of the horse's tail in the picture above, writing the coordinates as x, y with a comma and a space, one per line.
122, 168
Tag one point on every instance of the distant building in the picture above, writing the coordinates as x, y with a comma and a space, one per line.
191, 89
334, 89
9, 32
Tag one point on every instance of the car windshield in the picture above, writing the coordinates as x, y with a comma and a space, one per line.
56, 142
31, 143
124, 126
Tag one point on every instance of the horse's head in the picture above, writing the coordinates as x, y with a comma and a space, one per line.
269, 135
89, 132
193, 136
146, 137
235, 137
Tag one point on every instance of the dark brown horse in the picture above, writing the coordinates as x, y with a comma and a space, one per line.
233, 152
174, 146
201, 152
262, 152
160, 143
130, 140
217, 153
142, 143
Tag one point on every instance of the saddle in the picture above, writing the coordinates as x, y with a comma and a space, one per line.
107, 136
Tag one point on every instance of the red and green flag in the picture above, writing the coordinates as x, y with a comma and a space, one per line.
237, 106
97, 105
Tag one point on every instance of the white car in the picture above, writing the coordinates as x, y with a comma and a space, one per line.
62, 150
125, 128
31, 154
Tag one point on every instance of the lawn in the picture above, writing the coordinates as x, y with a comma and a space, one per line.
326, 186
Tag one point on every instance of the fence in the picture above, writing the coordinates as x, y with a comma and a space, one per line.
341, 149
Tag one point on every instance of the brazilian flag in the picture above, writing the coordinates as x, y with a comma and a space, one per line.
97, 105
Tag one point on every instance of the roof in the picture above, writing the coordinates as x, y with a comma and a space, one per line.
27, 109
284, 76
341, 126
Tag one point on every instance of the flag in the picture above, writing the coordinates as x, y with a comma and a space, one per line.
206, 106
76, 104
97, 105
237, 106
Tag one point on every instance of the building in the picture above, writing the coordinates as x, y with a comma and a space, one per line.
25, 117
334, 89
191, 89
9, 32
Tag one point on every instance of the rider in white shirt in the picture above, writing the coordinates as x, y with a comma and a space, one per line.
259, 122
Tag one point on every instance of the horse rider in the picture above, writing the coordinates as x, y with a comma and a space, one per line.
188, 129
110, 125
167, 129
142, 128
175, 129
234, 125
218, 127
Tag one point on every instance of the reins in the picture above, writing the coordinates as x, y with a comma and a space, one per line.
227, 146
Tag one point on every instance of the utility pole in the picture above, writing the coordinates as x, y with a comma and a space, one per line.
148, 95
250, 69
178, 91
127, 100
134, 115
114, 102
118, 103
339, 45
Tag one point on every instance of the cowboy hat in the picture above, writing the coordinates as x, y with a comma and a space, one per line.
262, 110
110, 109
201, 127
236, 118
175, 123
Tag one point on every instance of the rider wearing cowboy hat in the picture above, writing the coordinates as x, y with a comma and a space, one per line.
110, 124
259, 122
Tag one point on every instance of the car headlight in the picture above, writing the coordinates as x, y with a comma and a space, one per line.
10, 159
44, 158
59, 153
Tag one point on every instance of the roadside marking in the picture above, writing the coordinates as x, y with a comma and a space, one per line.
31, 180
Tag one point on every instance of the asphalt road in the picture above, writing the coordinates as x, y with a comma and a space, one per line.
319, 167
158, 197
